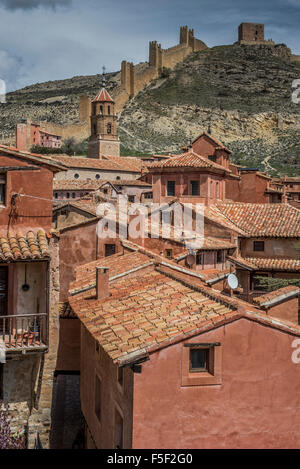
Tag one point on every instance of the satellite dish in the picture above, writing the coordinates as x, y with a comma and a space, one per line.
190, 260
232, 281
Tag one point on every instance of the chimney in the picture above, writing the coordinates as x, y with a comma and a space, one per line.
102, 282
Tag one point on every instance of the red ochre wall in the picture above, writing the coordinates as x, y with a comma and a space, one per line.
257, 405
28, 211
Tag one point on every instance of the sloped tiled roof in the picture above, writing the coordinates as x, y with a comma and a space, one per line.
70, 184
45, 160
263, 220
105, 164
267, 263
187, 160
103, 96
117, 264
143, 312
24, 246
277, 295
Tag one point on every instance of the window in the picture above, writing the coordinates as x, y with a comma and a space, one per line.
68, 195
110, 250
168, 253
118, 178
108, 110
76, 175
2, 189
212, 158
199, 259
131, 198
171, 188
118, 430
109, 128
56, 195
199, 360
97, 176
105, 191
220, 256
148, 195
258, 246
94, 128
201, 364
195, 187
101, 109
98, 397
73, 195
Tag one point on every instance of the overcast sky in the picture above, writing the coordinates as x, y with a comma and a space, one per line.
43, 40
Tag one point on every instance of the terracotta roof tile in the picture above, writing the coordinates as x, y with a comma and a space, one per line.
154, 309
106, 164
70, 184
19, 246
187, 160
103, 96
267, 263
281, 294
269, 220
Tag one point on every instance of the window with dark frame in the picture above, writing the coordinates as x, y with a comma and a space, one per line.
171, 188
199, 258
98, 397
168, 253
195, 188
2, 189
258, 246
199, 360
109, 128
220, 257
110, 250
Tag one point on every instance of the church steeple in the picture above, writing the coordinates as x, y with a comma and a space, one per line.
104, 139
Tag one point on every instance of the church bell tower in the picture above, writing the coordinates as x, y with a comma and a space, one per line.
104, 140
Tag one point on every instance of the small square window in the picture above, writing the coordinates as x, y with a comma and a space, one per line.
199, 360
168, 253
201, 364
258, 246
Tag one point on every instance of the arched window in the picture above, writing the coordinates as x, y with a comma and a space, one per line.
73, 195
109, 128
108, 110
68, 195
101, 109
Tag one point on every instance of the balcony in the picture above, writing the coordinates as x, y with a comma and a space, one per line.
24, 333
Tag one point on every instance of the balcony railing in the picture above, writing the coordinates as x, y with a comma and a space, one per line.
26, 332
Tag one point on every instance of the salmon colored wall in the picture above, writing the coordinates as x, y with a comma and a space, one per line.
208, 192
287, 310
256, 406
113, 395
274, 247
77, 246
68, 355
28, 212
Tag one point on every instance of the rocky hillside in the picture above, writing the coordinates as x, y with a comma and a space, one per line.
242, 92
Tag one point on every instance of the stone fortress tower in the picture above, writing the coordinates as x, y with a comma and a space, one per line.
104, 139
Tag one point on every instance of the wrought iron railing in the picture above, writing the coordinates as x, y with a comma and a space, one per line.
21, 332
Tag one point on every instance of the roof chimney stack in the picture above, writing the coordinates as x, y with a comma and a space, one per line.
102, 282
